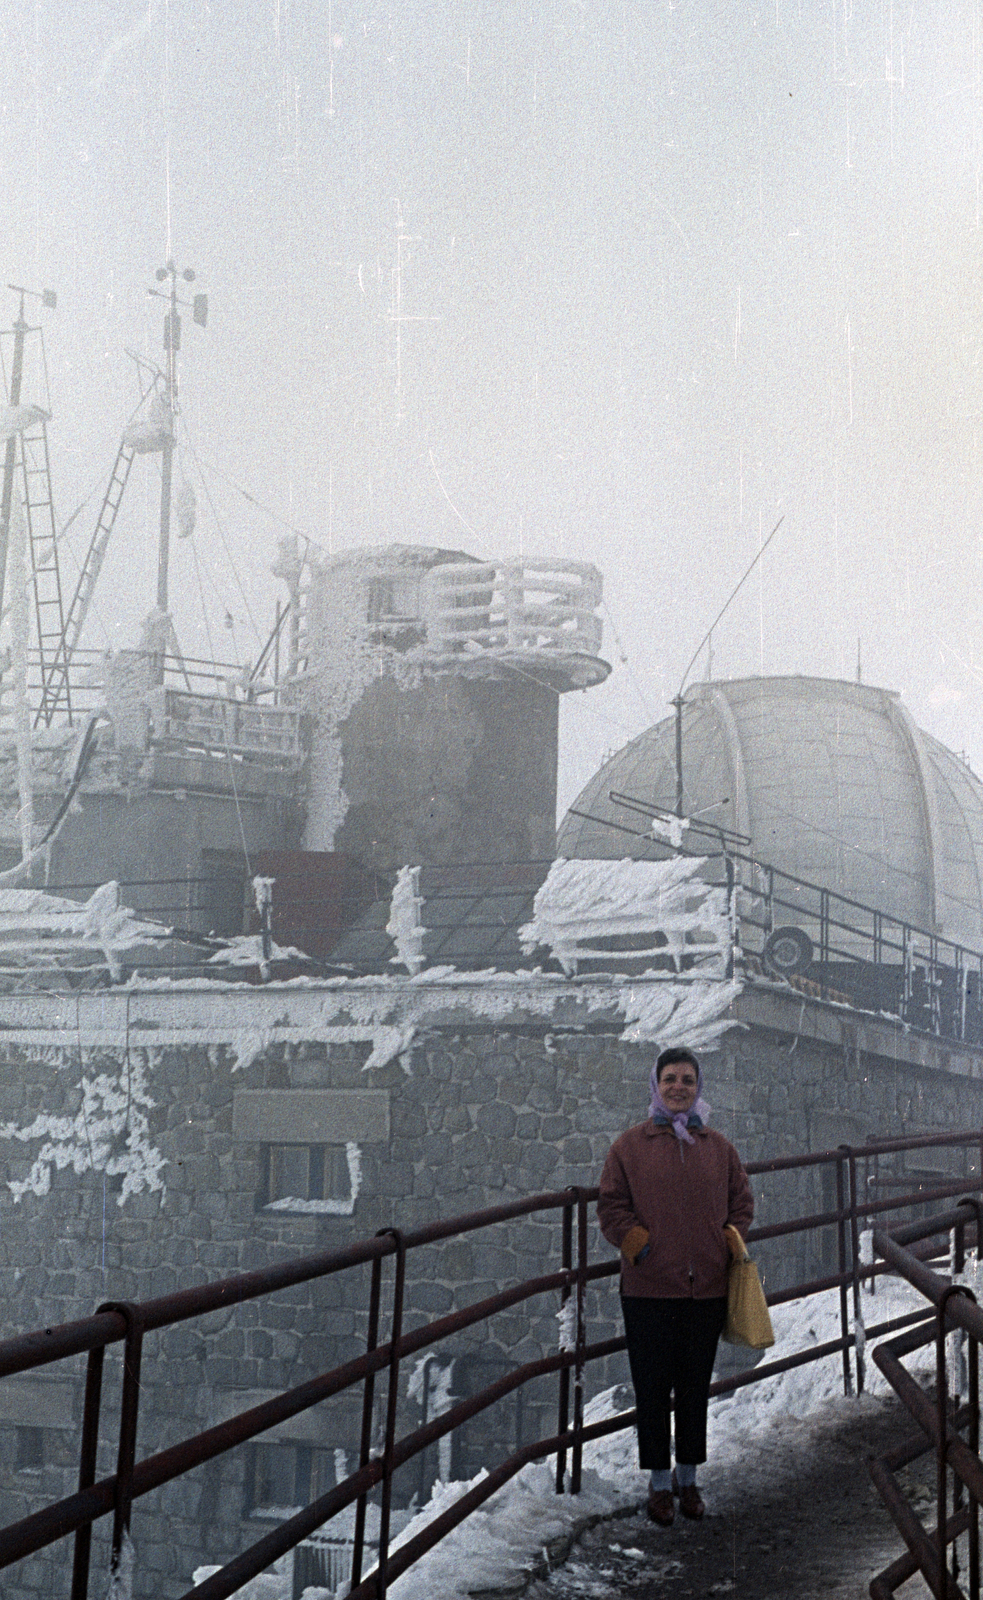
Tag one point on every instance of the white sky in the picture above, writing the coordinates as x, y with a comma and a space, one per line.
683, 267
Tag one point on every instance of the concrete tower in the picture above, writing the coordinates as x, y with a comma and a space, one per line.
432, 681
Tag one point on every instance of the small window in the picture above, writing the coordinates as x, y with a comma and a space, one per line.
310, 1177
282, 1478
30, 1449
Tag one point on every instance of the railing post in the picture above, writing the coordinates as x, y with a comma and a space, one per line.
563, 1409
392, 1400
842, 1259
943, 1423
581, 1341
128, 1409
866, 1186
87, 1467
858, 1321
974, 1445
368, 1397
734, 915
934, 993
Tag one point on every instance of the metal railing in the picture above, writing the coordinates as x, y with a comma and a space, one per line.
128, 1323
514, 606
863, 956
948, 1420
218, 723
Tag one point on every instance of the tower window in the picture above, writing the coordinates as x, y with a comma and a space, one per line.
310, 1178
281, 1478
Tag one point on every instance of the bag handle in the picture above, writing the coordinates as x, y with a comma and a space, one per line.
735, 1243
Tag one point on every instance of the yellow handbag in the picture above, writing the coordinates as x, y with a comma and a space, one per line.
748, 1322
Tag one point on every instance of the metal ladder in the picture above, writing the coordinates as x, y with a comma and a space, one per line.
49, 610
78, 610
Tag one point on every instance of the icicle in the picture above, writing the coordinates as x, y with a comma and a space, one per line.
859, 1336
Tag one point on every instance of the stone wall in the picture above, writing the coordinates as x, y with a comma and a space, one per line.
158, 1148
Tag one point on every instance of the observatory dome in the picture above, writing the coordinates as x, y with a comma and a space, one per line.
831, 781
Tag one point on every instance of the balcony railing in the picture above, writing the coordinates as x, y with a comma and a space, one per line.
828, 944
388, 1347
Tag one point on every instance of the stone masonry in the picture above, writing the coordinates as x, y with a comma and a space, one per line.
151, 1140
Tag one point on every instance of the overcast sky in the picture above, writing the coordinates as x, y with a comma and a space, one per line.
677, 268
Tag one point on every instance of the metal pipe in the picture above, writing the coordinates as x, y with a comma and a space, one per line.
392, 1399
974, 1445
941, 1420
922, 1408
365, 1444
581, 1341
129, 1405
88, 1449
841, 1253
855, 1269
923, 1546
563, 1396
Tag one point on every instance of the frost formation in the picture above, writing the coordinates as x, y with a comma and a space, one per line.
113, 1109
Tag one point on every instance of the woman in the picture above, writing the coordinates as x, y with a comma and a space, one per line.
669, 1188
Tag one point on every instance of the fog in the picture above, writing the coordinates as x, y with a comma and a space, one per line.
621, 282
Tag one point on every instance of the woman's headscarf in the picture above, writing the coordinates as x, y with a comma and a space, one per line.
680, 1121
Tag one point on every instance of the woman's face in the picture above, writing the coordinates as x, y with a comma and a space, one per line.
677, 1085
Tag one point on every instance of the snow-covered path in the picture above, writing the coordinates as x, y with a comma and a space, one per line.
796, 1519
792, 1514
791, 1510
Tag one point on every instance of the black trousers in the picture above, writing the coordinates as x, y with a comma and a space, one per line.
671, 1349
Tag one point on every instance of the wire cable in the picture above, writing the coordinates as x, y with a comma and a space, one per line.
225, 731
189, 446
267, 511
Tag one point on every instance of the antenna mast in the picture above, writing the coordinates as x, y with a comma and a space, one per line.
172, 344
677, 701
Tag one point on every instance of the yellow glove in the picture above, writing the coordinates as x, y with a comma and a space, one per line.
735, 1243
633, 1243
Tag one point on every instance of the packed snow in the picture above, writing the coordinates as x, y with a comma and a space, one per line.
771, 1422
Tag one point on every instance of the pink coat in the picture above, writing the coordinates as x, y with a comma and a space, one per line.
682, 1195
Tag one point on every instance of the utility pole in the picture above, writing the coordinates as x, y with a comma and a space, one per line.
172, 344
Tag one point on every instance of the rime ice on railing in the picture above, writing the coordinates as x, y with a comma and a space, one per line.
609, 912
512, 606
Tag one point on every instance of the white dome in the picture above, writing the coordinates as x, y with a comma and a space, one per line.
832, 781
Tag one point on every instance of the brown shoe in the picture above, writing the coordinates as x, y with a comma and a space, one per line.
691, 1502
660, 1507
